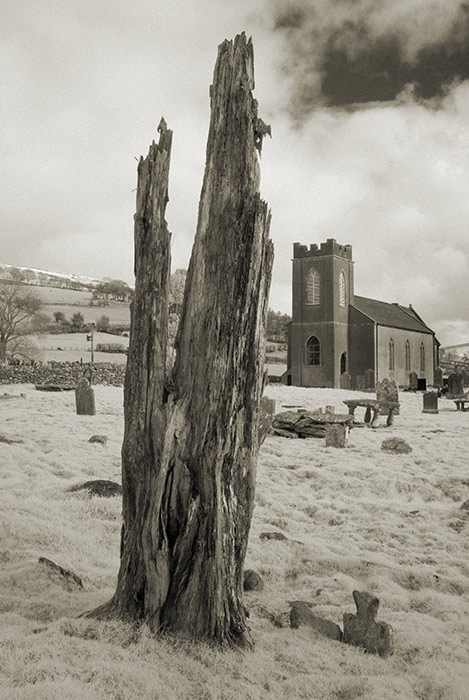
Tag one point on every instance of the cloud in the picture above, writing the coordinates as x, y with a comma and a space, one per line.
344, 53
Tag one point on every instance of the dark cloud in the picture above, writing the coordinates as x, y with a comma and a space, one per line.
355, 53
290, 18
372, 72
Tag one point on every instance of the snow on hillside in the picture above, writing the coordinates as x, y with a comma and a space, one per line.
36, 276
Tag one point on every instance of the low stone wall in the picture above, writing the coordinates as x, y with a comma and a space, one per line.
66, 373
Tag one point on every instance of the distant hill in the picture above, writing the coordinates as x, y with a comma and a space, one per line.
454, 355
69, 294
46, 278
460, 349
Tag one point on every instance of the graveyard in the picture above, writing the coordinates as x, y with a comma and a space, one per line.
327, 521
201, 532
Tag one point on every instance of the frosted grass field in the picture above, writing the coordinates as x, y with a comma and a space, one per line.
354, 518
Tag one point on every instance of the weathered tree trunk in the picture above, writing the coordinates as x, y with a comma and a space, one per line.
190, 444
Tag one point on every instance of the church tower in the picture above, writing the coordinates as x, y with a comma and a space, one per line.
322, 292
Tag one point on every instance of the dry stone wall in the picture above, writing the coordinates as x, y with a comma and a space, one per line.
63, 373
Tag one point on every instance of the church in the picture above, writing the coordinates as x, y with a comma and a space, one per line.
337, 338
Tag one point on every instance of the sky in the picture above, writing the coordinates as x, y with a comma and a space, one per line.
368, 101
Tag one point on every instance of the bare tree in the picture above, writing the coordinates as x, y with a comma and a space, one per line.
190, 444
19, 315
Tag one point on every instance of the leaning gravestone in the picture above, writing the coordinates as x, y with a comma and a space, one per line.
364, 630
301, 614
413, 381
370, 379
386, 393
345, 381
84, 398
430, 402
455, 386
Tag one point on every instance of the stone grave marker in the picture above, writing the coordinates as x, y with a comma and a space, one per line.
301, 614
465, 377
266, 414
345, 381
387, 392
336, 435
455, 386
84, 398
360, 382
438, 377
363, 630
369, 379
413, 381
430, 402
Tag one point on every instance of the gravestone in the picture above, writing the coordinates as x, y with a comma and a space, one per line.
455, 386
336, 435
387, 392
252, 581
369, 379
396, 446
413, 381
430, 402
465, 377
329, 410
360, 382
301, 614
84, 398
266, 414
438, 377
101, 439
345, 381
363, 630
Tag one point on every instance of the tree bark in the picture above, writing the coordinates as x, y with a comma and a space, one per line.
190, 444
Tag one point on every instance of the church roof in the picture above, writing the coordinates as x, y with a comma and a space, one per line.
393, 315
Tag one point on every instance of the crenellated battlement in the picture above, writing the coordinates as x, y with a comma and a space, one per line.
329, 247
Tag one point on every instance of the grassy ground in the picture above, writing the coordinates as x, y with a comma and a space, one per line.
355, 518
70, 301
71, 347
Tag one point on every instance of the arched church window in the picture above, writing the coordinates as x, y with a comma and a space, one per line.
422, 357
313, 288
342, 289
391, 355
313, 351
407, 356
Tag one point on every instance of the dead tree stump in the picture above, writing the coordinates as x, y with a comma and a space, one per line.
191, 438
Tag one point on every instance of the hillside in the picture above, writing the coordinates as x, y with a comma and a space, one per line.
31, 275
70, 294
69, 302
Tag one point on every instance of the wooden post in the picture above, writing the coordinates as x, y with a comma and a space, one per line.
191, 436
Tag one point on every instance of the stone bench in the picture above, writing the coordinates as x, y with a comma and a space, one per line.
372, 407
461, 403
